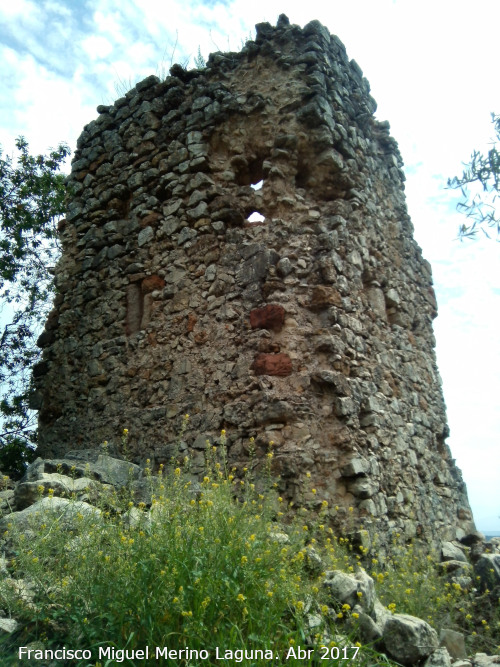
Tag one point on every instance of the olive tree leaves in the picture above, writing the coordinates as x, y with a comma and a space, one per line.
483, 174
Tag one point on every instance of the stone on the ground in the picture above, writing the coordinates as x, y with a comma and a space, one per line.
369, 631
440, 658
26, 493
484, 660
409, 639
454, 642
8, 625
351, 589
487, 568
66, 512
451, 551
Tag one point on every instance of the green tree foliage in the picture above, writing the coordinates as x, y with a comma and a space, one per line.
32, 196
483, 173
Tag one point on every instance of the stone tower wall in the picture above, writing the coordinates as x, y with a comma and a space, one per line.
311, 329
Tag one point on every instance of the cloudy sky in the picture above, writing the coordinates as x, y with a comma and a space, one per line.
433, 69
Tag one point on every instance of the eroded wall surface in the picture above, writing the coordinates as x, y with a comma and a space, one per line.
311, 329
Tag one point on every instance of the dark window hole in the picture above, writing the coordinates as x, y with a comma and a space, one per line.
302, 177
248, 172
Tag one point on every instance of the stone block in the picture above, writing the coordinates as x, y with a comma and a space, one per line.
484, 660
344, 407
351, 589
487, 568
278, 411
284, 267
451, 551
26, 493
369, 631
324, 297
65, 512
8, 625
337, 381
377, 302
363, 487
145, 236
409, 639
454, 642
440, 658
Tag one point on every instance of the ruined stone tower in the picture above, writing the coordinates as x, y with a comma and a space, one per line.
311, 328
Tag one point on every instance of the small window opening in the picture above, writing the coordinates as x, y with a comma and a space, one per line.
257, 186
302, 176
255, 216
248, 172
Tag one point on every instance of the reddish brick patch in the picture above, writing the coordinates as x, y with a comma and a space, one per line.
152, 283
191, 321
324, 297
272, 364
270, 317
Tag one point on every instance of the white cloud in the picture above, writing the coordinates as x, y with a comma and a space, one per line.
96, 47
110, 23
46, 108
21, 8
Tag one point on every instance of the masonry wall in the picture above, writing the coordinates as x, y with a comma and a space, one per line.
311, 329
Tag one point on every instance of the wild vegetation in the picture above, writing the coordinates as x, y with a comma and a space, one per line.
220, 564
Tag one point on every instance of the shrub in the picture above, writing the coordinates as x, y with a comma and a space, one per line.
208, 566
